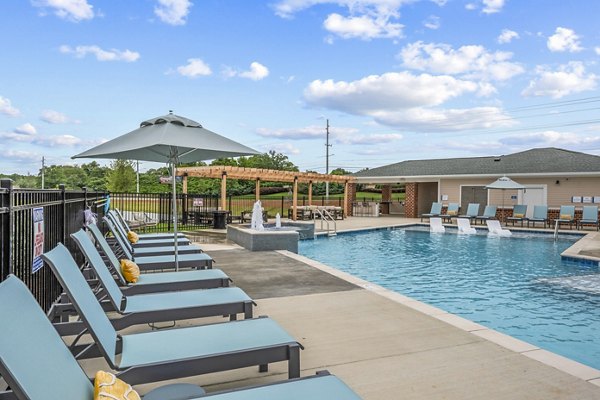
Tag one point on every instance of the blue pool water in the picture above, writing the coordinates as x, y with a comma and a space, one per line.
497, 282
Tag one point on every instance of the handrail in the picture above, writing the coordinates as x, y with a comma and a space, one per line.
557, 223
327, 217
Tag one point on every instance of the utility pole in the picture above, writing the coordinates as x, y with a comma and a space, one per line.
43, 167
137, 176
327, 146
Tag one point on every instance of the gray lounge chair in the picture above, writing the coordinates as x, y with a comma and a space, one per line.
472, 211
36, 363
589, 217
177, 353
540, 214
451, 212
566, 215
147, 241
152, 283
436, 210
118, 219
519, 214
488, 213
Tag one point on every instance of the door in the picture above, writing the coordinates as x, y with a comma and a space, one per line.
532, 196
473, 194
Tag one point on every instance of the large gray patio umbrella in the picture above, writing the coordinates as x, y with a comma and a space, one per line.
169, 139
504, 183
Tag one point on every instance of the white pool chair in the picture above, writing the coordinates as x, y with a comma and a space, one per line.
435, 225
464, 227
494, 229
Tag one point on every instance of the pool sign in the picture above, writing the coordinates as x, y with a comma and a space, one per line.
38, 239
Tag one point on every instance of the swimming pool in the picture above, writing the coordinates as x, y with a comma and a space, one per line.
497, 282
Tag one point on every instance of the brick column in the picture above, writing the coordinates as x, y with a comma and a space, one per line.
351, 198
386, 198
410, 203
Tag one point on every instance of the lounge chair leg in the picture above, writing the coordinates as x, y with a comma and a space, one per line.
263, 368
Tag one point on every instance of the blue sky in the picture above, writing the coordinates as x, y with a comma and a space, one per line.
397, 79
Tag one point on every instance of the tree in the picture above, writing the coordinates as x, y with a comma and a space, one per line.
121, 177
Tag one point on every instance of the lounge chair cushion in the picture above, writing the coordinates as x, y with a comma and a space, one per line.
130, 270
565, 216
452, 212
133, 237
518, 215
108, 386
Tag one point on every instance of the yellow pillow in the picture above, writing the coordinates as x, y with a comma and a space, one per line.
133, 237
130, 270
452, 212
108, 386
565, 216
519, 215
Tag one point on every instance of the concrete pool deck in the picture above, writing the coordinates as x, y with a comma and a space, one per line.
382, 344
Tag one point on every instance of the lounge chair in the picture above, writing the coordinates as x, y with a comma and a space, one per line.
495, 229
566, 215
464, 226
451, 212
436, 210
36, 364
118, 219
589, 217
519, 214
152, 283
148, 263
176, 353
472, 212
163, 246
540, 214
435, 225
488, 213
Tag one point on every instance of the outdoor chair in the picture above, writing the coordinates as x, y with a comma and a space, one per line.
464, 226
118, 231
589, 217
495, 229
472, 212
436, 210
118, 219
435, 225
36, 364
175, 353
566, 215
540, 214
488, 213
519, 214
149, 263
451, 212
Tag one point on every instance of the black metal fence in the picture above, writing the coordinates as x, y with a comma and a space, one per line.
63, 214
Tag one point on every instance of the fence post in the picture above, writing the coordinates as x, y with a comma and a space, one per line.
282, 204
63, 199
6, 266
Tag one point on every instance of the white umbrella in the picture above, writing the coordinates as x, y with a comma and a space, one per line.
503, 184
170, 139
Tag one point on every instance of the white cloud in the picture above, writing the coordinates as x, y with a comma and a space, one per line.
567, 79
194, 68
440, 3
370, 140
471, 6
507, 36
7, 108
305, 133
256, 72
432, 22
54, 117
492, 6
19, 155
62, 141
284, 148
551, 138
173, 12
72, 10
564, 39
362, 27
473, 61
101, 54
597, 50
26, 129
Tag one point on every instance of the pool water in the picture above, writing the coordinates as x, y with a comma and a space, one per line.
497, 282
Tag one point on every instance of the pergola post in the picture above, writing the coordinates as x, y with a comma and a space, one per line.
224, 191
185, 183
310, 193
295, 200
345, 209
257, 190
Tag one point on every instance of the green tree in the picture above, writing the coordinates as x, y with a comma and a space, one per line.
71, 176
121, 177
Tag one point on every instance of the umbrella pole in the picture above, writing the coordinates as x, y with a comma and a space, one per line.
174, 187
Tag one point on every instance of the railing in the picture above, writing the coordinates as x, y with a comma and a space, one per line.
63, 214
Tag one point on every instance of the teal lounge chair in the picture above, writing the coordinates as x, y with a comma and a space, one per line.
488, 213
566, 215
519, 214
147, 242
436, 210
589, 217
540, 214
176, 353
472, 211
451, 212
36, 363
118, 219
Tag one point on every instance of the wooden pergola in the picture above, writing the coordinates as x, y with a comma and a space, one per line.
267, 175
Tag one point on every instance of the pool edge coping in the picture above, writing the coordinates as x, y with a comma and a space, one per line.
546, 357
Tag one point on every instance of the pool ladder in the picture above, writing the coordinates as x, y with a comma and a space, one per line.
328, 218
556, 230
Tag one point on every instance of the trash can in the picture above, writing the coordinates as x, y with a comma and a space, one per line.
219, 219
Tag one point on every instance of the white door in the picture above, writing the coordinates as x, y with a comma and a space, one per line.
532, 196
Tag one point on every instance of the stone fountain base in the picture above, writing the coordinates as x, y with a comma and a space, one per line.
284, 238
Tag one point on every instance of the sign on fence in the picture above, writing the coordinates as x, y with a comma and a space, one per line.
38, 238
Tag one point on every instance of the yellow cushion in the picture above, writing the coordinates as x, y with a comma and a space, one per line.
133, 237
519, 215
452, 212
565, 216
108, 386
130, 271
